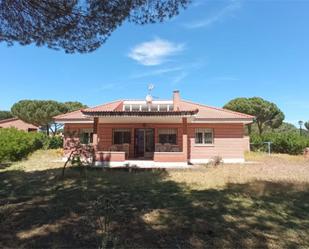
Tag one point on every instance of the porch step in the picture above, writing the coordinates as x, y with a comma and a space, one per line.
144, 164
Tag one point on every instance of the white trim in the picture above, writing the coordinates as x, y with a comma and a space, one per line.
220, 121
141, 102
143, 164
74, 121
225, 160
204, 145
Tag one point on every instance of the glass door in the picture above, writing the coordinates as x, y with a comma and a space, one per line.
139, 145
144, 143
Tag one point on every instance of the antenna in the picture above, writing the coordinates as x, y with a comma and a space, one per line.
149, 97
150, 87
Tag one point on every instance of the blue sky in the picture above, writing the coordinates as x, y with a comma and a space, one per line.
212, 52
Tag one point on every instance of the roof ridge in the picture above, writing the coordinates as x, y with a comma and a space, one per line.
219, 109
108, 103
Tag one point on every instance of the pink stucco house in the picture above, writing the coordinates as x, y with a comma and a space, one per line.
159, 132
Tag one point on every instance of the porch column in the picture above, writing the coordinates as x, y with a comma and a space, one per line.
95, 133
185, 138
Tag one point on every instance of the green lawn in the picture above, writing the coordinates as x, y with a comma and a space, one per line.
230, 206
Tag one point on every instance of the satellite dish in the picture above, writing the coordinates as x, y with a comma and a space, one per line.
148, 98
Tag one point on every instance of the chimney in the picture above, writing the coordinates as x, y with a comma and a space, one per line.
176, 100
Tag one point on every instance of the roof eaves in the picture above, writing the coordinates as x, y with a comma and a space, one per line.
220, 109
8, 120
140, 113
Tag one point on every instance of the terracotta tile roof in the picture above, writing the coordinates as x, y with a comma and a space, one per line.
209, 112
111, 106
17, 123
115, 108
76, 115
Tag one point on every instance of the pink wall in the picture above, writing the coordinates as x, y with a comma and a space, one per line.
229, 140
110, 156
105, 132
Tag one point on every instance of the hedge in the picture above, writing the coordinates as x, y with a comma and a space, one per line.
16, 145
289, 143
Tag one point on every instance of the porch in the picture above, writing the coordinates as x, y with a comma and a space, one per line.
141, 144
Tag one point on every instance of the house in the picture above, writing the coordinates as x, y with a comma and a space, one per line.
158, 132
18, 124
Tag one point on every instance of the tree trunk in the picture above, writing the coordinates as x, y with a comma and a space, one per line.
47, 129
249, 129
260, 127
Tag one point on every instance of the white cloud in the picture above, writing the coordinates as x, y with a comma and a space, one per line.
179, 77
216, 17
154, 52
156, 72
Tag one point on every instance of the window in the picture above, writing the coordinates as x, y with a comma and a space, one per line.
204, 136
167, 136
126, 108
121, 136
86, 136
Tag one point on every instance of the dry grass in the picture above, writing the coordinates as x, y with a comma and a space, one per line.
275, 168
261, 205
40, 160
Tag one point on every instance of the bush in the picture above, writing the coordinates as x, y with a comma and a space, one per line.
16, 145
289, 143
55, 142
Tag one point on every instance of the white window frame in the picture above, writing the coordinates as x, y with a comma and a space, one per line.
90, 135
203, 131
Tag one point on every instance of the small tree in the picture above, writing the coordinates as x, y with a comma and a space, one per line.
266, 113
307, 125
77, 153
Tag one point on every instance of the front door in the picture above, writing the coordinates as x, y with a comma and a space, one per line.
144, 143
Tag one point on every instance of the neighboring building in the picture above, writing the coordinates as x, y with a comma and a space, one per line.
18, 124
160, 132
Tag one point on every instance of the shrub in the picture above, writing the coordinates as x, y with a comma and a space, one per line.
55, 142
289, 143
16, 144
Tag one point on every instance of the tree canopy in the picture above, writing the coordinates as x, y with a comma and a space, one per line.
41, 112
266, 113
77, 25
307, 125
5, 115
74, 105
